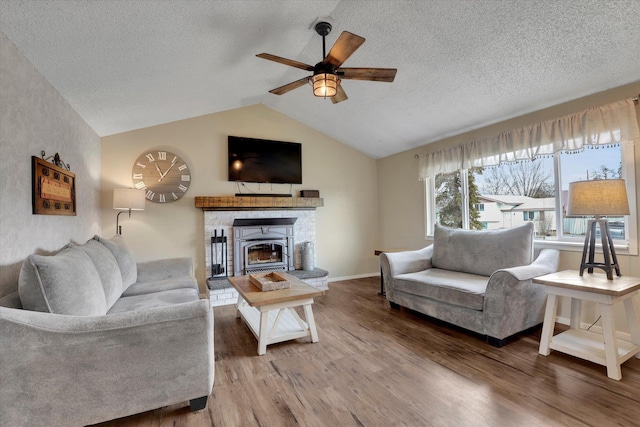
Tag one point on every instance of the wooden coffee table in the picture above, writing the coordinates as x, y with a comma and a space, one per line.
606, 348
271, 316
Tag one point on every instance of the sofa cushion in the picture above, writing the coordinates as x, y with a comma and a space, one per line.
67, 283
142, 288
461, 289
124, 257
482, 252
156, 299
107, 268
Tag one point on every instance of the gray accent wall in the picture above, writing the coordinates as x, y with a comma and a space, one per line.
35, 117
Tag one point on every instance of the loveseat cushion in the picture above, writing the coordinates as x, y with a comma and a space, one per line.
461, 289
156, 299
107, 268
482, 252
67, 283
124, 257
142, 288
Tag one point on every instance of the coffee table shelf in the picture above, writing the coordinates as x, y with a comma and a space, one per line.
282, 325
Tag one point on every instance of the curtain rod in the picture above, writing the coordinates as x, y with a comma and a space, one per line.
635, 101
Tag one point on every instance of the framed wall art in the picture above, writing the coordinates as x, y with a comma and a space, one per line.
54, 189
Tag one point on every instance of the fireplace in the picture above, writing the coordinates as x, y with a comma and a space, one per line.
263, 244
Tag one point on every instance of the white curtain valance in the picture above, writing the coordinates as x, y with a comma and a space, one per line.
614, 123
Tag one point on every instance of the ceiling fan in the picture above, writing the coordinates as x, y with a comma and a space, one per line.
328, 73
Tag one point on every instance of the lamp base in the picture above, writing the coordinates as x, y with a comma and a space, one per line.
608, 251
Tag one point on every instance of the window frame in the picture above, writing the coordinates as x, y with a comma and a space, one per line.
628, 246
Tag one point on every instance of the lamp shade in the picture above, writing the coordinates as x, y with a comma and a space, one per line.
325, 84
128, 198
602, 197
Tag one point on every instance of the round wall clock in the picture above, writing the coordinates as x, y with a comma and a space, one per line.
163, 176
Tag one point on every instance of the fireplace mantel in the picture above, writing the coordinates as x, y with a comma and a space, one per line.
231, 203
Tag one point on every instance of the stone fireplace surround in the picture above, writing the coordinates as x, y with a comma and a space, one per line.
304, 230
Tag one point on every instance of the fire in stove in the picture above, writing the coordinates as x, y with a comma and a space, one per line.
263, 244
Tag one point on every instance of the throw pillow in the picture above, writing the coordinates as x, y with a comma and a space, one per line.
67, 283
107, 268
124, 257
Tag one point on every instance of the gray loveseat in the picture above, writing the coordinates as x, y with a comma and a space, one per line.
94, 336
477, 280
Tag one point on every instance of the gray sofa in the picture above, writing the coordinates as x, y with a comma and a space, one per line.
92, 336
477, 280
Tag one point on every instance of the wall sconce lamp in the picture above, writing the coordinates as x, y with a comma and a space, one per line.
598, 198
127, 199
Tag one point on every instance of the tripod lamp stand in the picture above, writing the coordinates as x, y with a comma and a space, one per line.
598, 198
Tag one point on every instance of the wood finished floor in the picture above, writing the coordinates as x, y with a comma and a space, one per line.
375, 366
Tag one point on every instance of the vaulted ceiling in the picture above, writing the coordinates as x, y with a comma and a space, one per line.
462, 65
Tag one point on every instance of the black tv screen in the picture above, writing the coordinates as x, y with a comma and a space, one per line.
264, 161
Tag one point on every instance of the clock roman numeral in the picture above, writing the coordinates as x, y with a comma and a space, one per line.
141, 165
175, 159
174, 196
150, 157
161, 197
186, 177
149, 195
137, 176
182, 188
162, 155
140, 185
182, 167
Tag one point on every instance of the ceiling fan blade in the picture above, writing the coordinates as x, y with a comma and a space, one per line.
285, 61
290, 86
343, 48
340, 95
372, 74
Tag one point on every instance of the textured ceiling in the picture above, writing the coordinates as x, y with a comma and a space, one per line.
125, 65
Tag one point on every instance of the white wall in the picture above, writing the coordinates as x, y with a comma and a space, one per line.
402, 200
34, 117
347, 179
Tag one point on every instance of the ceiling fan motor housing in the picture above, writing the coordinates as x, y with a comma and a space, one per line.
324, 68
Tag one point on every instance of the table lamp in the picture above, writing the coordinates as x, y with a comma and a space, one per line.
598, 198
127, 199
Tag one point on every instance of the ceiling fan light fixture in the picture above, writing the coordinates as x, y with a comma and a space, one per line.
325, 85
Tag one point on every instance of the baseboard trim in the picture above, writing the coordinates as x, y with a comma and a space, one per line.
356, 276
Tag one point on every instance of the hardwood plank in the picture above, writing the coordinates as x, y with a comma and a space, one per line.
377, 366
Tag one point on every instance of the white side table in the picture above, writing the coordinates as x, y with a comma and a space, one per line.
605, 349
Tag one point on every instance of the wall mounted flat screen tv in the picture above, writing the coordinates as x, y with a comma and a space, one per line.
264, 161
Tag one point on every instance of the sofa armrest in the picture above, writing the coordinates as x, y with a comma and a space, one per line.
406, 261
394, 263
76, 370
545, 263
162, 269
512, 302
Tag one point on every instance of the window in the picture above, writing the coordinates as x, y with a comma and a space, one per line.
534, 191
